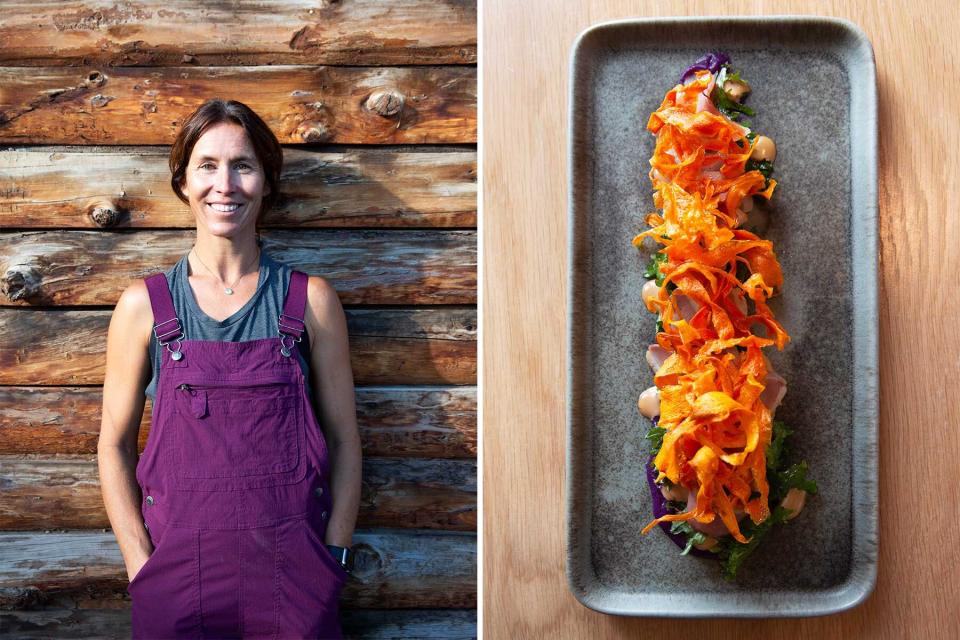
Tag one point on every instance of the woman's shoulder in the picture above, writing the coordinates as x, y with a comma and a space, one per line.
133, 312
324, 310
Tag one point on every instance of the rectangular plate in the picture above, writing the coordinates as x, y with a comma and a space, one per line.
815, 95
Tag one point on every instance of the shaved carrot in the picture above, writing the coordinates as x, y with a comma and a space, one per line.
716, 427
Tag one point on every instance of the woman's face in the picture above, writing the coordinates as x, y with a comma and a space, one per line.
224, 181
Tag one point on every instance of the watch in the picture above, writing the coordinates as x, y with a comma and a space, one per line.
343, 555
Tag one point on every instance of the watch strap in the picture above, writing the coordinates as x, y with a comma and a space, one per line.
343, 555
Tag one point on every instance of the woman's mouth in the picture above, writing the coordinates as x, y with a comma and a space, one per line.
224, 207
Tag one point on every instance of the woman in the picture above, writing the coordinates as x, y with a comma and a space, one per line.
237, 521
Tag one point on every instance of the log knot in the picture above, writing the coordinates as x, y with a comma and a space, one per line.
314, 132
105, 214
367, 561
385, 102
95, 79
20, 282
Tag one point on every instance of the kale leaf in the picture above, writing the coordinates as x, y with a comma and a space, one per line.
653, 271
654, 438
733, 553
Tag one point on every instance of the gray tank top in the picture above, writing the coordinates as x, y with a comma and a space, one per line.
255, 320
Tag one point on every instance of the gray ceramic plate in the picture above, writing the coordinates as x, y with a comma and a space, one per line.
815, 94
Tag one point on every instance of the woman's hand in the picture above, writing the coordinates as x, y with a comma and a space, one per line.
333, 394
135, 563
127, 374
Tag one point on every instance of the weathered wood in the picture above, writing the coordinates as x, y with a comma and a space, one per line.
388, 346
425, 494
366, 267
64, 493
378, 341
129, 105
362, 624
118, 188
171, 32
394, 421
394, 569
371, 624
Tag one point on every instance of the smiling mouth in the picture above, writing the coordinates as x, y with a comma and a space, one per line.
223, 208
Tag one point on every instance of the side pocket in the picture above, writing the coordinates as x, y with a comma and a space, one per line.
323, 552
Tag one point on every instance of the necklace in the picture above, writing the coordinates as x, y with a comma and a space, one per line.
226, 289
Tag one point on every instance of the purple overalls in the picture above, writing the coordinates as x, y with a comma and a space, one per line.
235, 481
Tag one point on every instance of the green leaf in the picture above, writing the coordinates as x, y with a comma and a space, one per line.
654, 438
733, 553
728, 107
763, 166
654, 271
693, 536
776, 447
794, 477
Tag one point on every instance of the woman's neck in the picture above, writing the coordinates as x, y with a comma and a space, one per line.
226, 258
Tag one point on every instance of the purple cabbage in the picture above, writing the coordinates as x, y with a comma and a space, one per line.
711, 62
660, 509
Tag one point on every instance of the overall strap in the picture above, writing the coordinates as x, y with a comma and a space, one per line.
291, 320
166, 324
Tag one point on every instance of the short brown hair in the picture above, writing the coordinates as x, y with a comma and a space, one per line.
213, 112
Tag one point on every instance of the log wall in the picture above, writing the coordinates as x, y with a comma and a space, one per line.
375, 104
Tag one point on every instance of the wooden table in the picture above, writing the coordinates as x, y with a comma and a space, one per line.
524, 85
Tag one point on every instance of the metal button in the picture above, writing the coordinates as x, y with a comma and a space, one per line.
318, 492
323, 515
150, 500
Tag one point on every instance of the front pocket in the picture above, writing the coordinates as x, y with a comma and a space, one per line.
237, 430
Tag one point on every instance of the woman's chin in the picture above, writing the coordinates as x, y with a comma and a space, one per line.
228, 228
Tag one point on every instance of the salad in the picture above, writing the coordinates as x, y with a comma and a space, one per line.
717, 471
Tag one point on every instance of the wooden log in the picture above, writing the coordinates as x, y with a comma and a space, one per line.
67, 268
388, 346
439, 422
425, 494
162, 33
394, 569
64, 493
108, 188
129, 105
361, 624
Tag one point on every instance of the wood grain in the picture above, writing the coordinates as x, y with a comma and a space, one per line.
67, 268
394, 569
362, 624
388, 346
526, 53
130, 105
64, 493
160, 32
421, 422
107, 188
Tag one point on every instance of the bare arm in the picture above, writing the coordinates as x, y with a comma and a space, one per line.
332, 387
127, 374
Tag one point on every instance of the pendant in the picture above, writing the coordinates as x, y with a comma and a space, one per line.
228, 291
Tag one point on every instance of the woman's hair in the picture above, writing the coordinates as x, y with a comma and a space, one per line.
216, 111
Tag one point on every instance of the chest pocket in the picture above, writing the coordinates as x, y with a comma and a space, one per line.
237, 434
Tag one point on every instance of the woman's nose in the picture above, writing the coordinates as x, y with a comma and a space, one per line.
224, 180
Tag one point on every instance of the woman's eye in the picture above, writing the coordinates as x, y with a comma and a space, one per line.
206, 166
243, 166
